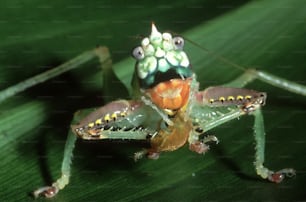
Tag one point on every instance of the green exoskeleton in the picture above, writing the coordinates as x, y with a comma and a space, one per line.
169, 110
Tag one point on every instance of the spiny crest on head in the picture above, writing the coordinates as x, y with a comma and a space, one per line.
155, 37
158, 53
157, 43
154, 30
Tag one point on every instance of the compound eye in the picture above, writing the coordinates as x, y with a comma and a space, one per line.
178, 42
138, 53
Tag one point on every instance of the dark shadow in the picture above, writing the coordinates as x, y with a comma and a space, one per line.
42, 160
104, 155
220, 156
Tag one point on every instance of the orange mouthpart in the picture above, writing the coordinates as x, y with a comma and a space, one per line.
171, 94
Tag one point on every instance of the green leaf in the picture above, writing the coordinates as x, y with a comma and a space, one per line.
36, 36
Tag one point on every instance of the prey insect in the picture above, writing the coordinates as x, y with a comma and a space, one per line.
170, 111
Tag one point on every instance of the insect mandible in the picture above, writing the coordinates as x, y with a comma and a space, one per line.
170, 110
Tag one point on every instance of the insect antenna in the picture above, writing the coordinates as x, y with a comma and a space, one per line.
212, 53
217, 56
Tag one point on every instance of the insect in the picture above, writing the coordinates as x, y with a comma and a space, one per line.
170, 111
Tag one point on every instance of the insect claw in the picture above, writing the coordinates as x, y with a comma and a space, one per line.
211, 138
153, 155
149, 154
199, 147
280, 175
139, 155
48, 192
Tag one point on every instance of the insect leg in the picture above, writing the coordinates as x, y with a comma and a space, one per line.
280, 82
110, 79
60, 183
220, 96
208, 113
121, 119
261, 170
252, 74
101, 52
242, 80
206, 118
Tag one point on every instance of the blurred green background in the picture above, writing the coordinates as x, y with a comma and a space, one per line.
36, 36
